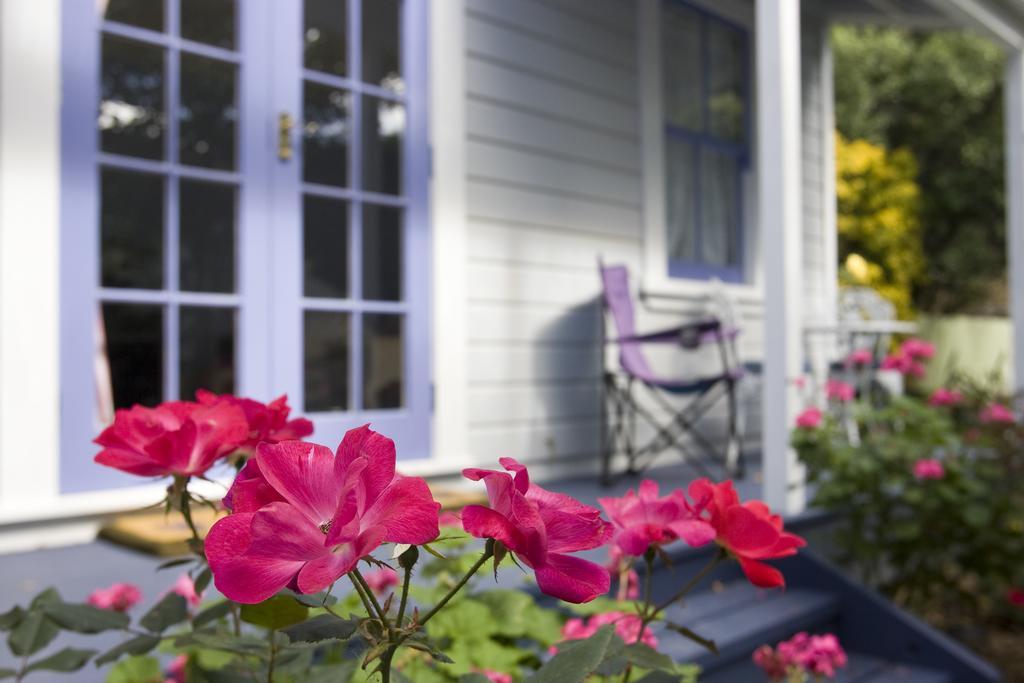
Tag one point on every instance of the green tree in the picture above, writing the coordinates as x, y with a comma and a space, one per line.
938, 95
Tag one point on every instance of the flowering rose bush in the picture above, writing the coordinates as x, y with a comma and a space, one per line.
314, 563
930, 498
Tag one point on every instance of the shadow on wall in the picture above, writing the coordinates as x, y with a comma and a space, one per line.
566, 425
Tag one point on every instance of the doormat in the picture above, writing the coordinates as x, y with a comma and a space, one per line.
167, 535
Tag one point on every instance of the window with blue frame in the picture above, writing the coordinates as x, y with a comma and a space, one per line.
706, 113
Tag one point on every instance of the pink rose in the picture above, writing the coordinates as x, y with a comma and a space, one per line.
809, 419
176, 669
945, 397
495, 676
918, 349
381, 580
837, 390
819, 655
774, 665
120, 597
996, 413
904, 364
186, 588
542, 528
749, 531
308, 515
175, 438
267, 421
860, 358
627, 627
644, 520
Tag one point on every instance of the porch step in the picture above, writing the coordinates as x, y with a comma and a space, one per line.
885, 644
861, 668
740, 618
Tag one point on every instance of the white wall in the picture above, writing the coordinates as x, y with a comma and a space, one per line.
553, 164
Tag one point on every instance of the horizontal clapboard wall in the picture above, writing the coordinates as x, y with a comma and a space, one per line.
553, 182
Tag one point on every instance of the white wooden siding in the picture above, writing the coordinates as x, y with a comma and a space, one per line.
553, 161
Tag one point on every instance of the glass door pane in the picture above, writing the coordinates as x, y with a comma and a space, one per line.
167, 126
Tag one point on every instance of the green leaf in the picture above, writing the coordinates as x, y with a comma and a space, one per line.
432, 551
660, 677
7, 673
320, 628
136, 670
139, 645
312, 599
424, 644
212, 614
977, 515
274, 613
48, 596
176, 562
695, 637
68, 659
202, 580
243, 645
332, 673
646, 657
85, 618
11, 618
578, 659
172, 609
212, 660
31, 635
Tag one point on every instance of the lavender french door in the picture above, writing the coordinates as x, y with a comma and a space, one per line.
350, 182
244, 209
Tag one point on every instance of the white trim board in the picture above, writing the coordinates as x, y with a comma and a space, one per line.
29, 251
450, 237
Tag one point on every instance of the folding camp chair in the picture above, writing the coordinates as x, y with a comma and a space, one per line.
624, 384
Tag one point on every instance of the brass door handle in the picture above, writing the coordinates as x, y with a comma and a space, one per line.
285, 124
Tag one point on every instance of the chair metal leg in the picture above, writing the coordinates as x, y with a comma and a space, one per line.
608, 440
631, 452
734, 448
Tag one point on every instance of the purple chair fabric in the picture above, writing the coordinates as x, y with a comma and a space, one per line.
619, 304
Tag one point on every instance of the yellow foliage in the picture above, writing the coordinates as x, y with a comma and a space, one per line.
879, 228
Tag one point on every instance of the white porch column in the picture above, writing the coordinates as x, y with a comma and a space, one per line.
1013, 117
779, 177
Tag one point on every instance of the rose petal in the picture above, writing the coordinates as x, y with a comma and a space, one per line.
406, 511
240, 578
303, 473
572, 579
761, 574
379, 453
